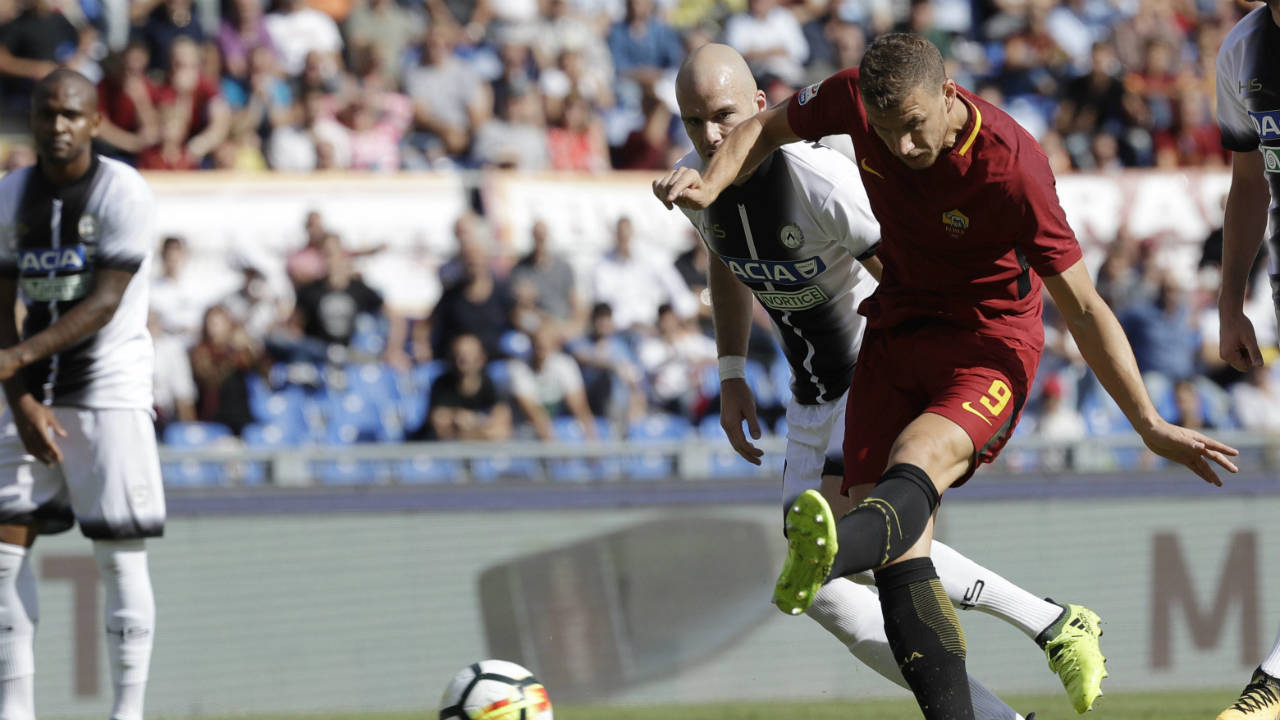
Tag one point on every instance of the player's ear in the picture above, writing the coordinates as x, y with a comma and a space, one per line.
949, 92
762, 102
95, 123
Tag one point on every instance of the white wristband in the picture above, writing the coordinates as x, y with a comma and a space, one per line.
733, 367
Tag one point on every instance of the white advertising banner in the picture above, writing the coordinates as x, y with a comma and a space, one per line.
373, 611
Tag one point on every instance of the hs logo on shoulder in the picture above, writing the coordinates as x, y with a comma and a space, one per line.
955, 222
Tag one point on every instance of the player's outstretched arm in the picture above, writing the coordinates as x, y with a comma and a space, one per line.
1243, 228
83, 320
1104, 346
742, 150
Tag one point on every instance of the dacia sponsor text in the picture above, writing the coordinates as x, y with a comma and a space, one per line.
781, 272
51, 260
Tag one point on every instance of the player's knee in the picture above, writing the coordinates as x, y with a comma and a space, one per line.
945, 456
119, 558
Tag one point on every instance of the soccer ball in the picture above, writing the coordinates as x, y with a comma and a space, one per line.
495, 690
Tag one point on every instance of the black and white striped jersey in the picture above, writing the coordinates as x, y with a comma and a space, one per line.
791, 233
53, 240
1249, 107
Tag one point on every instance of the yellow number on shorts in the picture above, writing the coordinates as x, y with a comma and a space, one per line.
997, 397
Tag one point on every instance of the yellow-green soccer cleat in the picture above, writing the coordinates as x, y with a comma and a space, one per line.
811, 548
1071, 644
1259, 701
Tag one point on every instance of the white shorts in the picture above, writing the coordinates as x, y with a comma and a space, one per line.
108, 480
815, 442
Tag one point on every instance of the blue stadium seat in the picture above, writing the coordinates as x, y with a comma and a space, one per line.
266, 435
567, 430
654, 466
761, 385
516, 344
370, 336
489, 469
351, 417
280, 407
425, 469
346, 472
499, 372
376, 381
190, 472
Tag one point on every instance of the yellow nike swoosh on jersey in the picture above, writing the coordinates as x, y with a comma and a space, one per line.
870, 169
969, 406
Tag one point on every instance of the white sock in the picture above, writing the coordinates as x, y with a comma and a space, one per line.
130, 621
1271, 665
18, 617
970, 585
852, 613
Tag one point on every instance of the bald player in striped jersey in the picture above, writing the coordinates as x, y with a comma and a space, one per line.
798, 236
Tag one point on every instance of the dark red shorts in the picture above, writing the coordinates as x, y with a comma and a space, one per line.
977, 381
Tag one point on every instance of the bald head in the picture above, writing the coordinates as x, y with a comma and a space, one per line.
716, 91
64, 121
62, 80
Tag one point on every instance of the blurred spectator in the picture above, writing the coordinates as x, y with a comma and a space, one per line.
673, 361
1191, 410
642, 46
573, 76
255, 305
570, 43
518, 74
552, 280
306, 264
194, 118
449, 100
1096, 102
469, 228
692, 264
516, 138
296, 30
327, 308
610, 372
477, 304
550, 385
219, 364
465, 404
316, 141
172, 381
262, 100
770, 39
841, 46
166, 21
386, 28
1257, 400
1120, 277
576, 143
175, 298
32, 44
635, 286
377, 121
649, 146
1057, 421
129, 123
242, 31
1163, 337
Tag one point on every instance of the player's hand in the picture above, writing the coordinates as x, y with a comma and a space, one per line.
684, 187
737, 404
1237, 343
37, 427
1191, 449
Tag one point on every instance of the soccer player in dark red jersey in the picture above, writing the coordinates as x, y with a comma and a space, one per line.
971, 228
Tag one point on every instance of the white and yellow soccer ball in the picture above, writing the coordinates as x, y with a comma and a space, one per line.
495, 690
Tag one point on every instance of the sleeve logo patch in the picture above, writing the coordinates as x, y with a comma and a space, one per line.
1271, 160
792, 236
87, 227
809, 93
1267, 123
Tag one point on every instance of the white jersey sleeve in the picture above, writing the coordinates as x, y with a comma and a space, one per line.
1238, 132
128, 224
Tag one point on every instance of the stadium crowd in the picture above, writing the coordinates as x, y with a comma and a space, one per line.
521, 347
585, 85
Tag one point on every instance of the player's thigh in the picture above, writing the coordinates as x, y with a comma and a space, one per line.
879, 408
112, 468
984, 403
31, 493
936, 445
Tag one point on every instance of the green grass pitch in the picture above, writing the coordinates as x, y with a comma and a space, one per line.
1144, 706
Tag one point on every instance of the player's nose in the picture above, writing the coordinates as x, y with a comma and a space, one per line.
905, 146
